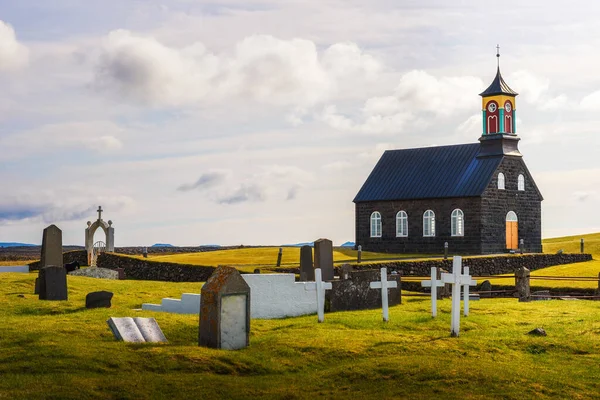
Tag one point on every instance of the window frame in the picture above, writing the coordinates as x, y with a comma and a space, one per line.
501, 179
429, 223
375, 218
401, 222
456, 229
521, 182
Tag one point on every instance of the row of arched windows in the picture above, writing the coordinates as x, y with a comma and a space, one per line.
457, 223
520, 181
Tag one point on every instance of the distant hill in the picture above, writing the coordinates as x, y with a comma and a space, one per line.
348, 244
162, 245
13, 244
311, 244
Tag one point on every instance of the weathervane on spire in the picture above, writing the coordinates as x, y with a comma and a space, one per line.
498, 54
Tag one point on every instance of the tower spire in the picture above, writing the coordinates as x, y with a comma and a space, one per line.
498, 54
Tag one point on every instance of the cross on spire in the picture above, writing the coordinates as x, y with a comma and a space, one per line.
99, 212
498, 54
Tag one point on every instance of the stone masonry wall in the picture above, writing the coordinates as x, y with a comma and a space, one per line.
481, 266
496, 203
143, 269
415, 242
68, 257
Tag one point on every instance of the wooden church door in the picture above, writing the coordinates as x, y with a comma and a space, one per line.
512, 231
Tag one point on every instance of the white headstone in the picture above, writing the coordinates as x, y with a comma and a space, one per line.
434, 283
320, 287
456, 279
384, 285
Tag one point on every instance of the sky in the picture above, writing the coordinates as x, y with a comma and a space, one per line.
256, 122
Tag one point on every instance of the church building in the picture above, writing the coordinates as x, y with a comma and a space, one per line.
479, 197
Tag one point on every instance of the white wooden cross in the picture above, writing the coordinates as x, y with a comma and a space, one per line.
320, 287
384, 285
466, 291
434, 283
457, 280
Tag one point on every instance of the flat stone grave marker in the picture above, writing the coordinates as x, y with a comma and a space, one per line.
225, 311
434, 284
51, 247
307, 270
320, 287
136, 330
99, 299
324, 258
384, 285
52, 283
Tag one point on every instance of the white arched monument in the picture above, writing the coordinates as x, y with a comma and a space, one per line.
109, 231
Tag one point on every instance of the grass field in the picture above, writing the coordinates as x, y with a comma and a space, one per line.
60, 350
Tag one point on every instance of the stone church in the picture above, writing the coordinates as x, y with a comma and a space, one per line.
479, 197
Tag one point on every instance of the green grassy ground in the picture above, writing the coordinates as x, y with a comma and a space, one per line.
60, 350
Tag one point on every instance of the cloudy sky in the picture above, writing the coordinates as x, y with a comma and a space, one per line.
256, 122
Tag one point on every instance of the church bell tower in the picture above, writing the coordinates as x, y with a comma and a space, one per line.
499, 136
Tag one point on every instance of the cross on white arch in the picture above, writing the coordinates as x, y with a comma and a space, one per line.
99, 212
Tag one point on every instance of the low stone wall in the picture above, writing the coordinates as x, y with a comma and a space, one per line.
77, 255
139, 250
144, 269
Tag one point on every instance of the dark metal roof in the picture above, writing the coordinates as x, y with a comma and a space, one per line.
498, 86
429, 172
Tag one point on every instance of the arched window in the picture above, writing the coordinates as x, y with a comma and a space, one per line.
508, 117
521, 182
458, 223
429, 223
375, 224
492, 115
501, 181
401, 224
511, 217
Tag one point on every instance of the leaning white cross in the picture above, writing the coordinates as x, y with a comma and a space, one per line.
320, 287
457, 280
384, 285
434, 283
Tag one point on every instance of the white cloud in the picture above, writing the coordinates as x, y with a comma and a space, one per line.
591, 101
259, 68
13, 55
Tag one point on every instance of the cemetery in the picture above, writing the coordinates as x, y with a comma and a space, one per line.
373, 329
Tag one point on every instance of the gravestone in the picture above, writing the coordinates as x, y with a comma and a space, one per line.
53, 283
355, 292
121, 273
324, 258
98, 299
345, 271
51, 247
307, 271
279, 255
486, 286
522, 284
136, 330
225, 311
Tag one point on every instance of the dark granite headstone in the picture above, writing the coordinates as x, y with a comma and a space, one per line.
98, 299
307, 271
345, 271
36, 290
486, 286
257, 270
225, 311
53, 283
121, 272
51, 247
279, 255
355, 292
324, 258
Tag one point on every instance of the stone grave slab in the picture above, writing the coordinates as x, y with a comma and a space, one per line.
53, 283
324, 258
307, 270
99, 299
355, 292
51, 247
225, 310
136, 330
